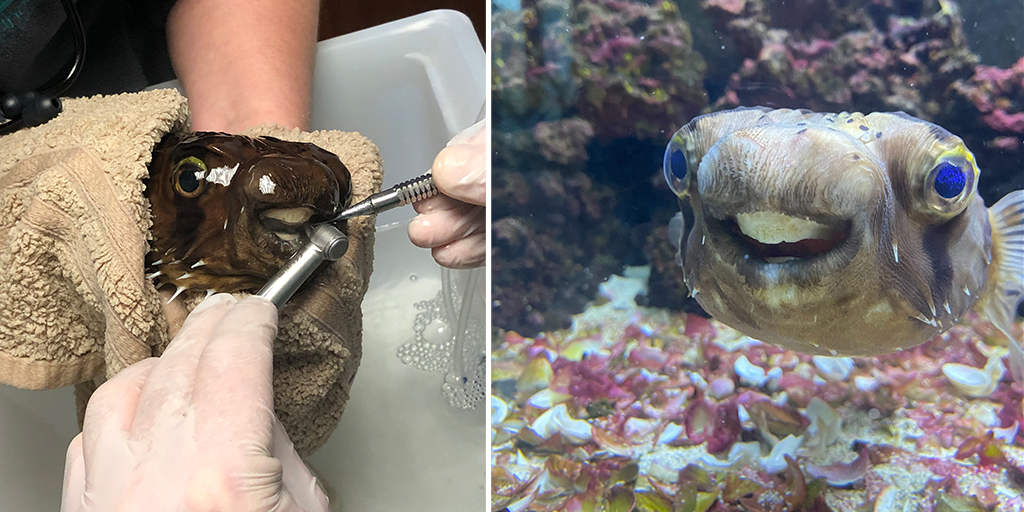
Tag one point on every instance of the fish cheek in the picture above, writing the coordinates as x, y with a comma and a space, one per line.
190, 216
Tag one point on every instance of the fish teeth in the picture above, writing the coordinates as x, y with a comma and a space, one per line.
290, 216
198, 264
158, 262
895, 251
946, 305
774, 228
186, 275
967, 291
208, 293
154, 274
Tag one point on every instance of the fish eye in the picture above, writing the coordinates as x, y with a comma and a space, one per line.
949, 180
188, 176
949, 185
675, 165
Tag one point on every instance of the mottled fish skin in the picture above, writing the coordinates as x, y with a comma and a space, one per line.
896, 263
229, 210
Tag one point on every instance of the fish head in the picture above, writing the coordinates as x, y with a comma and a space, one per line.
229, 210
829, 233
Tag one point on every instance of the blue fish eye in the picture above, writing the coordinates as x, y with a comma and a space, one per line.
950, 180
675, 164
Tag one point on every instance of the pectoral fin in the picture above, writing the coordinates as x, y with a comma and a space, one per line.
1007, 272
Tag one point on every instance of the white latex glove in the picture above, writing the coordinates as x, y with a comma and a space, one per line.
193, 430
453, 224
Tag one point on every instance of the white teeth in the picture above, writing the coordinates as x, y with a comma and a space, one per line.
774, 228
292, 216
287, 237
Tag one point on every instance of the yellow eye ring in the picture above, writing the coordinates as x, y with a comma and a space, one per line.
188, 176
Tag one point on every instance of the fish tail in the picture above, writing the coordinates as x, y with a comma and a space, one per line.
1007, 220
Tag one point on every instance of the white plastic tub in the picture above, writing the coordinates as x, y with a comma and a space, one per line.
409, 86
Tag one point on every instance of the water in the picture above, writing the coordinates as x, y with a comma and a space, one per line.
619, 393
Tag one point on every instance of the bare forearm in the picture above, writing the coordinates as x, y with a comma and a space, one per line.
244, 62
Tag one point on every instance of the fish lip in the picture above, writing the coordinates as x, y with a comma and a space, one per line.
749, 262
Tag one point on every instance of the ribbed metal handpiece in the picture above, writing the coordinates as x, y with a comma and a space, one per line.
404, 193
416, 189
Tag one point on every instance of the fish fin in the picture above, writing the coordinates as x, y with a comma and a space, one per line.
1000, 307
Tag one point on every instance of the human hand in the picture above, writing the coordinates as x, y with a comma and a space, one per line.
453, 225
195, 428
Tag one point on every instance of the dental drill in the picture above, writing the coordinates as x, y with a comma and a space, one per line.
328, 243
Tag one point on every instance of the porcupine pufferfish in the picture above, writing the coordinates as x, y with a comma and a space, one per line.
229, 210
842, 234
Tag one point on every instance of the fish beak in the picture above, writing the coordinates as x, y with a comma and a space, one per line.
286, 223
779, 238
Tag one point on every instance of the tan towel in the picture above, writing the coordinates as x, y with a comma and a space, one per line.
75, 307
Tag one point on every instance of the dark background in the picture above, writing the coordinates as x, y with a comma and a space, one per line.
339, 17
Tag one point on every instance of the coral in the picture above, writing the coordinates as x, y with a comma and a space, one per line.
831, 56
552, 244
626, 66
640, 76
628, 419
987, 111
564, 141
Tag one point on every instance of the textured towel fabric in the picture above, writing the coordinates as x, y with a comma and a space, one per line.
75, 307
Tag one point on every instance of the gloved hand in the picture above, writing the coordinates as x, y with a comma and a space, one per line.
195, 428
453, 224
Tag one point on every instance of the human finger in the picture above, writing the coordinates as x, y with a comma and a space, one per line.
116, 402
297, 479
460, 172
444, 226
170, 383
236, 368
469, 252
73, 489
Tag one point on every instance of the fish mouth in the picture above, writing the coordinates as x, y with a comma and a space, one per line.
287, 224
769, 247
779, 238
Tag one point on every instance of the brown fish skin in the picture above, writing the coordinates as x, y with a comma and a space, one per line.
229, 210
893, 267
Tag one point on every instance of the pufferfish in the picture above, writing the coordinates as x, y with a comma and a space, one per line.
229, 210
842, 234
